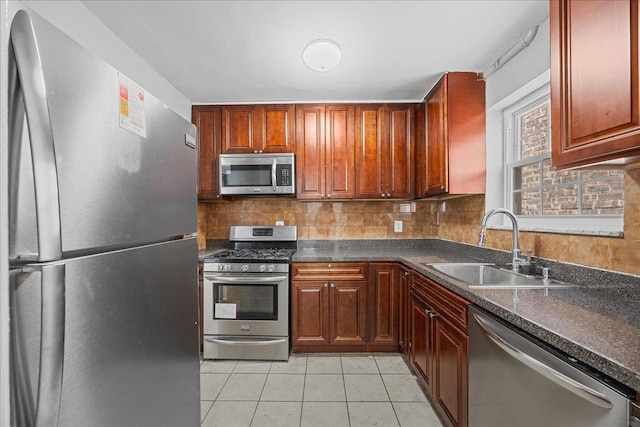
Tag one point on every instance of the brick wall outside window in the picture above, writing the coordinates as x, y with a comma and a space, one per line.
539, 190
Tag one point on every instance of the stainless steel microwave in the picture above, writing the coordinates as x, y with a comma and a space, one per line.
257, 174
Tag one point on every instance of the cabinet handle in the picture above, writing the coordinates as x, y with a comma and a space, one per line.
432, 314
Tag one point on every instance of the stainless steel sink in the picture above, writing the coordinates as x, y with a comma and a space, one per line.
490, 276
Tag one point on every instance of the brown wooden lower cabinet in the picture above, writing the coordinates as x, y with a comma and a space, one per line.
439, 346
329, 307
383, 306
351, 307
404, 284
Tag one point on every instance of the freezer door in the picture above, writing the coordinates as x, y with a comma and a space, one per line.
97, 184
130, 353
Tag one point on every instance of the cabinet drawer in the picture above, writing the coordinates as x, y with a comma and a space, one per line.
329, 271
445, 302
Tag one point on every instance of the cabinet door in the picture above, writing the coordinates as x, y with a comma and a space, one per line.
207, 121
340, 151
450, 361
436, 133
400, 179
421, 338
595, 86
310, 313
403, 308
383, 305
310, 158
348, 320
372, 151
237, 129
421, 151
274, 129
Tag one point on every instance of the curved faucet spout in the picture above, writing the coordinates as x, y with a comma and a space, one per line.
517, 261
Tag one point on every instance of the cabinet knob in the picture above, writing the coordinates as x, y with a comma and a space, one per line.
328, 265
326, 284
322, 196
388, 194
381, 194
328, 196
255, 151
260, 151
442, 187
332, 285
406, 274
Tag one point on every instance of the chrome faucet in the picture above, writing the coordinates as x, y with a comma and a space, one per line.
516, 261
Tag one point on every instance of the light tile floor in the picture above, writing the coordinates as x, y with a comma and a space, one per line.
314, 390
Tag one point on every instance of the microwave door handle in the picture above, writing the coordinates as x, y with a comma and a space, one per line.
274, 178
28, 76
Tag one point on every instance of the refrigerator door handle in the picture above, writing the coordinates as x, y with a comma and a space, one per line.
30, 81
51, 342
575, 387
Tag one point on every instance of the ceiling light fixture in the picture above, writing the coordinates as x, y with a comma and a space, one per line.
322, 55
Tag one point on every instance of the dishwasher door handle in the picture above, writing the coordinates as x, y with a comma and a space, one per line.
575, 387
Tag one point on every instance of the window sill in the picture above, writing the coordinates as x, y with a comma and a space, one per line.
579, 232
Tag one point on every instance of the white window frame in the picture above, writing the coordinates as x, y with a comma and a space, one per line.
528, 97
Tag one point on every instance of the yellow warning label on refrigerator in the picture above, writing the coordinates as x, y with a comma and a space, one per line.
132, 115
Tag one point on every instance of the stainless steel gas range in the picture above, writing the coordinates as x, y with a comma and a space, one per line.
246, 295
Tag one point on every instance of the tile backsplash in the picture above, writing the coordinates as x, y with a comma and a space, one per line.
460, 222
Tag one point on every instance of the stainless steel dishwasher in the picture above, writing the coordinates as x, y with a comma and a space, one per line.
516, 382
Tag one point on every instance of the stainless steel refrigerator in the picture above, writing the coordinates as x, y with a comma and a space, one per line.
102, 253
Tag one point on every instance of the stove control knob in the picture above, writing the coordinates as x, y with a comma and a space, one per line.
245, 268
220, 267
263, 268
227, 267
271, 268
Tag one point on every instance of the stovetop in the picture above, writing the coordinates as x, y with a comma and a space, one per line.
271, 255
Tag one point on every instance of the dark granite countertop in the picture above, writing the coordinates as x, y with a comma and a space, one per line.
597, 322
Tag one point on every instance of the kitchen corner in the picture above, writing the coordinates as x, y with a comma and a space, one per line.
597, 323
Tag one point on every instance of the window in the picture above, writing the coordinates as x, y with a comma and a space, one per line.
589, 201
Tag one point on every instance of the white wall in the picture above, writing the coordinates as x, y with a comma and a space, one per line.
527, 71
74, 18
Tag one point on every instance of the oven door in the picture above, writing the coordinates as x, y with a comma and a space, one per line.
246, 304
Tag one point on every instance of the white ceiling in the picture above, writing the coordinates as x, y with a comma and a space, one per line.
251, 51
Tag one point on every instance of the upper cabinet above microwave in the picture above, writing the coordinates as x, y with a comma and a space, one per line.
595, 82
258, 129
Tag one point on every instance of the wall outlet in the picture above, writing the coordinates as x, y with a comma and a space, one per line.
397, 226
279, 223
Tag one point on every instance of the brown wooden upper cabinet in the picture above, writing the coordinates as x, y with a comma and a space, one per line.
207, 121
257, 129
451, 143
595, 82
384, 151
325, 165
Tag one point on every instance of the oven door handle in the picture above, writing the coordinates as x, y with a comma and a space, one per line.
246, 279
251, 343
